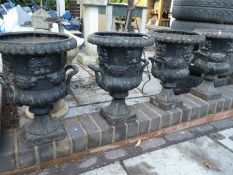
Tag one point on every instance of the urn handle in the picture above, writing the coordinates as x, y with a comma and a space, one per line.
99, 74
152, 60
3, 81
6, 85
70, 74
146, 63
95, 68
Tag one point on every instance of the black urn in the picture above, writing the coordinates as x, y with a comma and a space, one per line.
38, 65
120, 70
173, 54
212, 61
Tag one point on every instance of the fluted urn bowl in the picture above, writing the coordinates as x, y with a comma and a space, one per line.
173, 54
38, 65
120, 69
213, 60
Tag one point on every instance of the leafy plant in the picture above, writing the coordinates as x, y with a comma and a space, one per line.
117, 1
46, 4
51, 4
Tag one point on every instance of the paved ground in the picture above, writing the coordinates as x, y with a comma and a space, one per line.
202, 150
201, 156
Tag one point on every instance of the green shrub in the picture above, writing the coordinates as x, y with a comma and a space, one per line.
47, 4
117, 1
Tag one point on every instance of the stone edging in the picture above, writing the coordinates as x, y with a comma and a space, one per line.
198, 129
90, 131
109, 155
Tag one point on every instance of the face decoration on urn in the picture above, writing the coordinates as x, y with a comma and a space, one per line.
38, 65
120, 70
173, 54
212, 60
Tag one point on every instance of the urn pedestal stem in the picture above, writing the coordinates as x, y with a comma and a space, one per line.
120, 70
166, 99
212, 60
37, 61
173, 54
206, 90
44, 128
117, 112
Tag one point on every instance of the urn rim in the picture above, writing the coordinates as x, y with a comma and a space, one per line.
16, 43
214, 33
121, 39
177, 36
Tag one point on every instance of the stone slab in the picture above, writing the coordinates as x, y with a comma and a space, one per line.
82, 75
84, 93
115, 154
70, 101
200, 156
228, 140
88, 163
114, 169
203, 129
216, 136
86, 59
79, 109
152, 143
222, 124
150, 86
178, 136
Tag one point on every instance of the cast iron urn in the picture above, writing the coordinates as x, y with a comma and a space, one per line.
212, 60
173, 54
120, 70
38, 64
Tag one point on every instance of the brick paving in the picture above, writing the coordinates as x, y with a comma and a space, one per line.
159, 156
85, 132
201, 156
88, 131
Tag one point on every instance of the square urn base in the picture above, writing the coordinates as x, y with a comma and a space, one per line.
117, 119
164, 105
